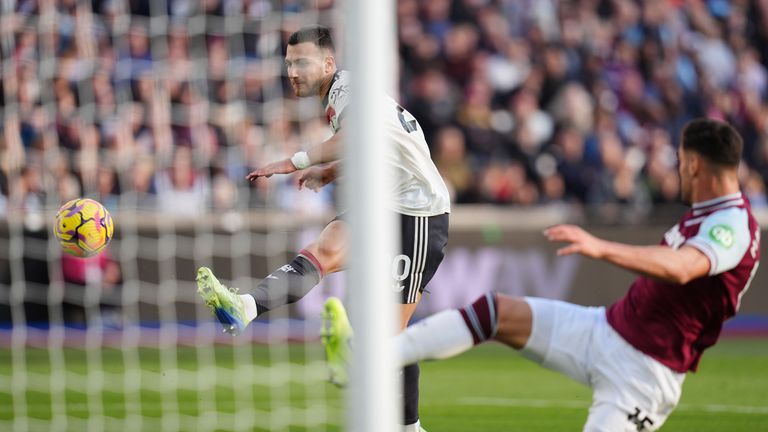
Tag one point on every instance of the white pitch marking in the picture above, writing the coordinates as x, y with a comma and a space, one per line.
552, 403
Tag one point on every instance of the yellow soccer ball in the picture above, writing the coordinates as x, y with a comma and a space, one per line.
83, 227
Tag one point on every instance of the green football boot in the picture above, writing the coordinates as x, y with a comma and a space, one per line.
224, 302
336, 335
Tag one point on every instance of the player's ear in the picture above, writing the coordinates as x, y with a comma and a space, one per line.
330, 63
694, 163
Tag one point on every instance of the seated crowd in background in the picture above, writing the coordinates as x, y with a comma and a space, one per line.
524, 102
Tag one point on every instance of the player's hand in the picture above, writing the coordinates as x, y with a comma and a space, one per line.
581, 242
284, 166
314, 178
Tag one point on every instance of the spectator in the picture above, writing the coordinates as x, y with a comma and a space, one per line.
181, 188
523, 81
100, 272
452, 161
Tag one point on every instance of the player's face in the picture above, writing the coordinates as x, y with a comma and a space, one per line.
307, 66
683, 170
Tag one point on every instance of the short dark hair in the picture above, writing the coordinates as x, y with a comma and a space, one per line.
718, 142
316, 34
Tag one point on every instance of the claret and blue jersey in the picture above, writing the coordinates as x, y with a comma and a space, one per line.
675, 323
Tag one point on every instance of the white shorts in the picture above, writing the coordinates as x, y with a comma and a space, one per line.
631, 391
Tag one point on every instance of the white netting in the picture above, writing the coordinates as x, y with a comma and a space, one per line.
157, 109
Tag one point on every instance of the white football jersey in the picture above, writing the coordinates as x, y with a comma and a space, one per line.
419, 188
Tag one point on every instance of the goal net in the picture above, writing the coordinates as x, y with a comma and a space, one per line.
157, 109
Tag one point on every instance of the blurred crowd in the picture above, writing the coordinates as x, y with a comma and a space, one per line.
532, 101
168, 104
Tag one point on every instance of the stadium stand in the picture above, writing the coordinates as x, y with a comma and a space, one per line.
524, 102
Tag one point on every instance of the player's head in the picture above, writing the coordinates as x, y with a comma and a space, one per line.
310, 59
708, 148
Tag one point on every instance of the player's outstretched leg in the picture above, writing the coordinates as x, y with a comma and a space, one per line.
336, 336
228, 307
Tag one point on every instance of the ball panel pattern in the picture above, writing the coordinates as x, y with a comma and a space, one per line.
84, 227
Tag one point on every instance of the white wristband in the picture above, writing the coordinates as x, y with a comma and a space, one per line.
300, 160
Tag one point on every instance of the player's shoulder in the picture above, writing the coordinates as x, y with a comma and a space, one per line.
727, 226
721, 203
724, 233
733, 205
339, 87
728, 212
341, 78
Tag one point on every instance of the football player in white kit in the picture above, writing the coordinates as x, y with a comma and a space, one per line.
421, 200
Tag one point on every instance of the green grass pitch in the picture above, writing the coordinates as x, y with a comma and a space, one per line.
493, 389
488, 389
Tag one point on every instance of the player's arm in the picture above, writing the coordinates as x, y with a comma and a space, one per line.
316, 177
677, 266
327, 151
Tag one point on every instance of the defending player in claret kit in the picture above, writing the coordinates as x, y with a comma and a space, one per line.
635, 353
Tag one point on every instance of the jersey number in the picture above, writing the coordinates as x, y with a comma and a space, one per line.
410, 125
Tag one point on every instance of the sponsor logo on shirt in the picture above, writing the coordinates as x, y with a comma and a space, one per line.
722, 235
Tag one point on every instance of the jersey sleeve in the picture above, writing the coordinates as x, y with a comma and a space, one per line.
724, 238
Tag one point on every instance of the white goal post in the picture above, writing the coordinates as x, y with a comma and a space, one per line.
158, 109
370, 40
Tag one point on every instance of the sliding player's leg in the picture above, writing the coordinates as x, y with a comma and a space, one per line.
640, 396
553, 333
286, 285
631, 390
444, 335
451, 332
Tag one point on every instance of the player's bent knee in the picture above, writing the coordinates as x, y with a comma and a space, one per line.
332, 255
515, 321
330, 247
329, 260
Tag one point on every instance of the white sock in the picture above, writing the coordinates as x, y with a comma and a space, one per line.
250, 306
440, 336
413, 427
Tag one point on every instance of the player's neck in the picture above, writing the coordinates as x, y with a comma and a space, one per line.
715, 188
325, 85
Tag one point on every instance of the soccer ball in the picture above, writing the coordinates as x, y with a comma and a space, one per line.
83, 227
